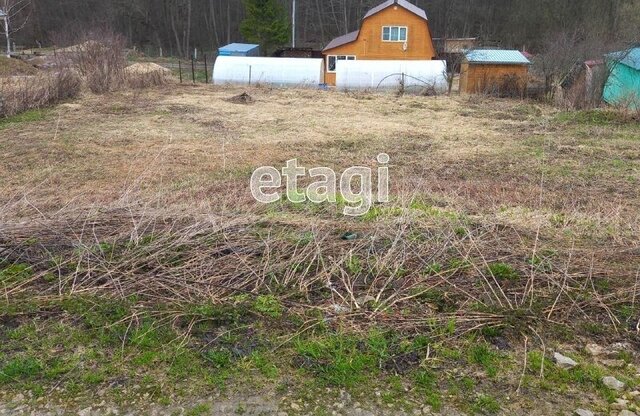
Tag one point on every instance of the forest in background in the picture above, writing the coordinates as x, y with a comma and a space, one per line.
179, 26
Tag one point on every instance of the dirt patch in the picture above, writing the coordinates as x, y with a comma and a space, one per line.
243, 98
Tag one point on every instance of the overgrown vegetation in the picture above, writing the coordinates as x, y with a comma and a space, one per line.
482, 258
38, 91
95, 61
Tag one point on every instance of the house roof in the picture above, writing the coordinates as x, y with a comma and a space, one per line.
402, 3
343, 40
496, 56
630, 57
2, 13
353, 36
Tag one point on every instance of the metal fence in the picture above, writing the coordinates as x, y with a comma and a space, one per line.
191, 70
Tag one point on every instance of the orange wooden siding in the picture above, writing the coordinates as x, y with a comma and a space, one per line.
479, 78
370, 45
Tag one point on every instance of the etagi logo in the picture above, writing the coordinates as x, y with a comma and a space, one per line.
324, 189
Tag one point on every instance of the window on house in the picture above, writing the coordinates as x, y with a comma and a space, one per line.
333, 59
394, 33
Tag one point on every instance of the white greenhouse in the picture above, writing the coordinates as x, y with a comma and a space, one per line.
366, 74
278, 72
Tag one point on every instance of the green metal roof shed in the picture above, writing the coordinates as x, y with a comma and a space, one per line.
623, 85
496, 56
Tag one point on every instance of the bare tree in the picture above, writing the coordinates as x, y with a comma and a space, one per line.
177, 26
14, 14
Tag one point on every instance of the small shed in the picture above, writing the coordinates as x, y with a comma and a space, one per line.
582, 87
239, 49
623, 85
494, 71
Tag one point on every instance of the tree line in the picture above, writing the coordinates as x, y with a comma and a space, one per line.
178, 26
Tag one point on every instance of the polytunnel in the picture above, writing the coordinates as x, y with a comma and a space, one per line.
272, 71
366, 74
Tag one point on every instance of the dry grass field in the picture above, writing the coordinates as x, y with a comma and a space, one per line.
133, 248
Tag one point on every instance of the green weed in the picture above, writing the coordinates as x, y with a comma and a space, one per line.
15, 273
503, 271
19, 369
486, 405
338, 360
29, 116
268, 305
485, 357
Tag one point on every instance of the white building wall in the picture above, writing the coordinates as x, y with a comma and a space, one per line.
366, 74
279, 72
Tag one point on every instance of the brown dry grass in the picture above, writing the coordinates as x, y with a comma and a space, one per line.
20, 94
496, 181
14, 67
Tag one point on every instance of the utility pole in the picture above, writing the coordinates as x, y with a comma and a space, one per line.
293, 25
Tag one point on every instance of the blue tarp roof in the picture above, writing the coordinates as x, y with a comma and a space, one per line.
239, 47
630, 57
496, 56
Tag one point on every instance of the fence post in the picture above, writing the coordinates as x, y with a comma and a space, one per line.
206, 71
180, 70
193, 70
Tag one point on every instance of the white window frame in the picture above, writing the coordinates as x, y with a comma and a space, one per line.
344, 58
406, 28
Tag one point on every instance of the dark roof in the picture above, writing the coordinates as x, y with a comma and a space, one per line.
343, 40
353, 36
402, 3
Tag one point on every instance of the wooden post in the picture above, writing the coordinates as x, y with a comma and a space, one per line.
206, 71
193, 70
180, 70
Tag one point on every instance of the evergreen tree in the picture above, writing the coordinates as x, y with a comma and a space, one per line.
266, 24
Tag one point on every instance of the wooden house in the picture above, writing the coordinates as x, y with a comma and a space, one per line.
394, 30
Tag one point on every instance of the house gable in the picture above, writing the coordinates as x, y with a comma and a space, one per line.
396, 13
369, 42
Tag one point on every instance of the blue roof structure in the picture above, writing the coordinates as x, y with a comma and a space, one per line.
630, 57
2, 13
239, 47
496, 56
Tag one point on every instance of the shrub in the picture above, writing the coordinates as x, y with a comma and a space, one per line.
99, 57
27, 93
